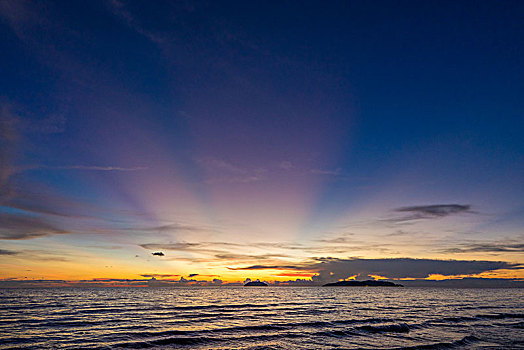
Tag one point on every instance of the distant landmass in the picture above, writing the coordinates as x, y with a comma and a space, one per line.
368, 283
255, 284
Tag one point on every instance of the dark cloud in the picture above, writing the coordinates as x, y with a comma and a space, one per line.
487, 248
158, 253
272, 267
14, 227
430, 211
158, 275
171, 246
7, 252
405, 267
244, 257
193, 275
333, 269
178, 227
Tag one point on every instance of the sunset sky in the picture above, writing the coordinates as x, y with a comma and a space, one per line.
268, 140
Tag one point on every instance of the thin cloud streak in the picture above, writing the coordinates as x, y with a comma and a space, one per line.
487, 248
94, 168
434, 211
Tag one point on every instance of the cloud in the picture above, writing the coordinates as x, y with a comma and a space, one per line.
335, 172
171, 246
286, 165
178, 227
209, 248
405, 267
272, 267
119, 9
15, 227
333, 269
243, 257
94, 168
158, 253
225, 172
430, 211
193, 275
7, 252
487, 248
8, 139
157, 275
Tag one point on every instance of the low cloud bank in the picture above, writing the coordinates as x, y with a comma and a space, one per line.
333, 269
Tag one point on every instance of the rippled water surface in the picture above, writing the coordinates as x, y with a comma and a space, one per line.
262, 318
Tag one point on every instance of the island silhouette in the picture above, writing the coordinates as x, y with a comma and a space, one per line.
368, 283
256, 283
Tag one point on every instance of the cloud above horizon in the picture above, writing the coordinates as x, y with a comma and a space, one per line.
434, 211
333, 269
20, 227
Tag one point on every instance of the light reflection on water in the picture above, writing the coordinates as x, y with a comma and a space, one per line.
267, 317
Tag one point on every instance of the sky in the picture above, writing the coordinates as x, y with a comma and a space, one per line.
297, 142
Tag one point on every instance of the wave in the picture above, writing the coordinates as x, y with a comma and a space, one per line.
467, 340
397, 328
259, 327
199, 340
480, 317
500, 316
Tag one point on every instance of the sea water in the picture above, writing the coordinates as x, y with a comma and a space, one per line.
262, 318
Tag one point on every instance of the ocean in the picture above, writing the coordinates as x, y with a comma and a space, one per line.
262, 318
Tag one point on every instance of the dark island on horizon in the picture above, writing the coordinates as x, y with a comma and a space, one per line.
368, 283
255, 284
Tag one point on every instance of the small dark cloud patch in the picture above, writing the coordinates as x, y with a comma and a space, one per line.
434, 211
171, 246
7, 252
193, 275
158, 253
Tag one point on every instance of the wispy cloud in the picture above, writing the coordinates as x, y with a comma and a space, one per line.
222, 171
119, 9
332, 172
93, 167
8, 142
7, 252
487, 248
16, 227
158, 275
434, 211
